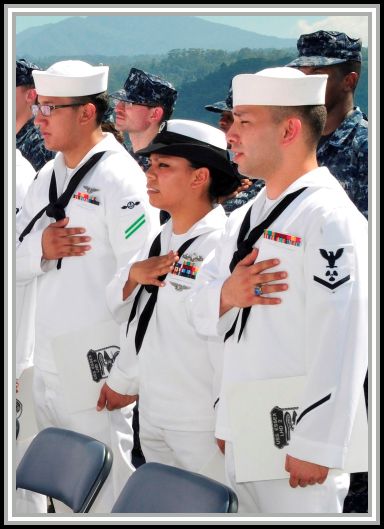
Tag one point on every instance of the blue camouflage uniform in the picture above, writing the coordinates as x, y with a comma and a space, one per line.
143, 161
344, 151
29, 140
242, 198
31, 145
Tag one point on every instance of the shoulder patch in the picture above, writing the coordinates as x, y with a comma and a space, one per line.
333, 267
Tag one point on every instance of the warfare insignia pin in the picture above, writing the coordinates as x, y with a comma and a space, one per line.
179, 287
101, 361
130, 205
91, 189
283, 423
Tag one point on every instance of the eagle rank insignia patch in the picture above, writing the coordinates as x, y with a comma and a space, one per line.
333, 267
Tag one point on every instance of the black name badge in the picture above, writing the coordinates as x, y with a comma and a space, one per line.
101, 361
283, 422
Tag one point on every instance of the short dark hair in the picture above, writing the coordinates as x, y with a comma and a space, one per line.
313, 116
350, 66
347, 67
167, 113
100, 101
221, 185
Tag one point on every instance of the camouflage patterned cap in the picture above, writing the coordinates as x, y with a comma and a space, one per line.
324, 48
24, 72
143, 88
222, 106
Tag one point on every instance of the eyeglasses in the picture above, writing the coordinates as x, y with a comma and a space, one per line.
47, 110
130, 104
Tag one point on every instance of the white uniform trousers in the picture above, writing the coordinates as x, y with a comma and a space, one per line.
191, 450
113, 428
278, 497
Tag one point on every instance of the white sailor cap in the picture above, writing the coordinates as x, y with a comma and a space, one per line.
71, 79
280, 86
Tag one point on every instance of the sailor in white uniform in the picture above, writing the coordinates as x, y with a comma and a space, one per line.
319, 326
97, 218
26, 294
175, 370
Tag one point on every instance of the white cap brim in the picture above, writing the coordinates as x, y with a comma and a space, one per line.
71, 79
279, 87
198, 131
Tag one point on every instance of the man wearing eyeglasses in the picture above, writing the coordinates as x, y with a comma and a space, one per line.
73, 233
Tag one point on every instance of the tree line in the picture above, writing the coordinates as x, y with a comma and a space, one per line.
202, 76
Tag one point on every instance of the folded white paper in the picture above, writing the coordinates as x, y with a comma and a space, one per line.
259, 429
84, 360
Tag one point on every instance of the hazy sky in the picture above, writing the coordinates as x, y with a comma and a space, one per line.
276, 25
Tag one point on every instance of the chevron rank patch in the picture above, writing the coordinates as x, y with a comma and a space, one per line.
333, 266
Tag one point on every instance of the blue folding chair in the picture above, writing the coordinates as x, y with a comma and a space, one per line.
65, 465
158, 488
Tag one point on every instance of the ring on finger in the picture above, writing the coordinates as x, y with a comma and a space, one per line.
258, 290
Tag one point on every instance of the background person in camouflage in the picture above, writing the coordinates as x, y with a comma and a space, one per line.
141, 106
249, 188
28, 137
343, 147
224, 108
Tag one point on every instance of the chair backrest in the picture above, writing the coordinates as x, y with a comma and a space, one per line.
65, 465
158, 488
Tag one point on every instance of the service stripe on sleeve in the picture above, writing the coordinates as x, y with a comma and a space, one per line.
134, 226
